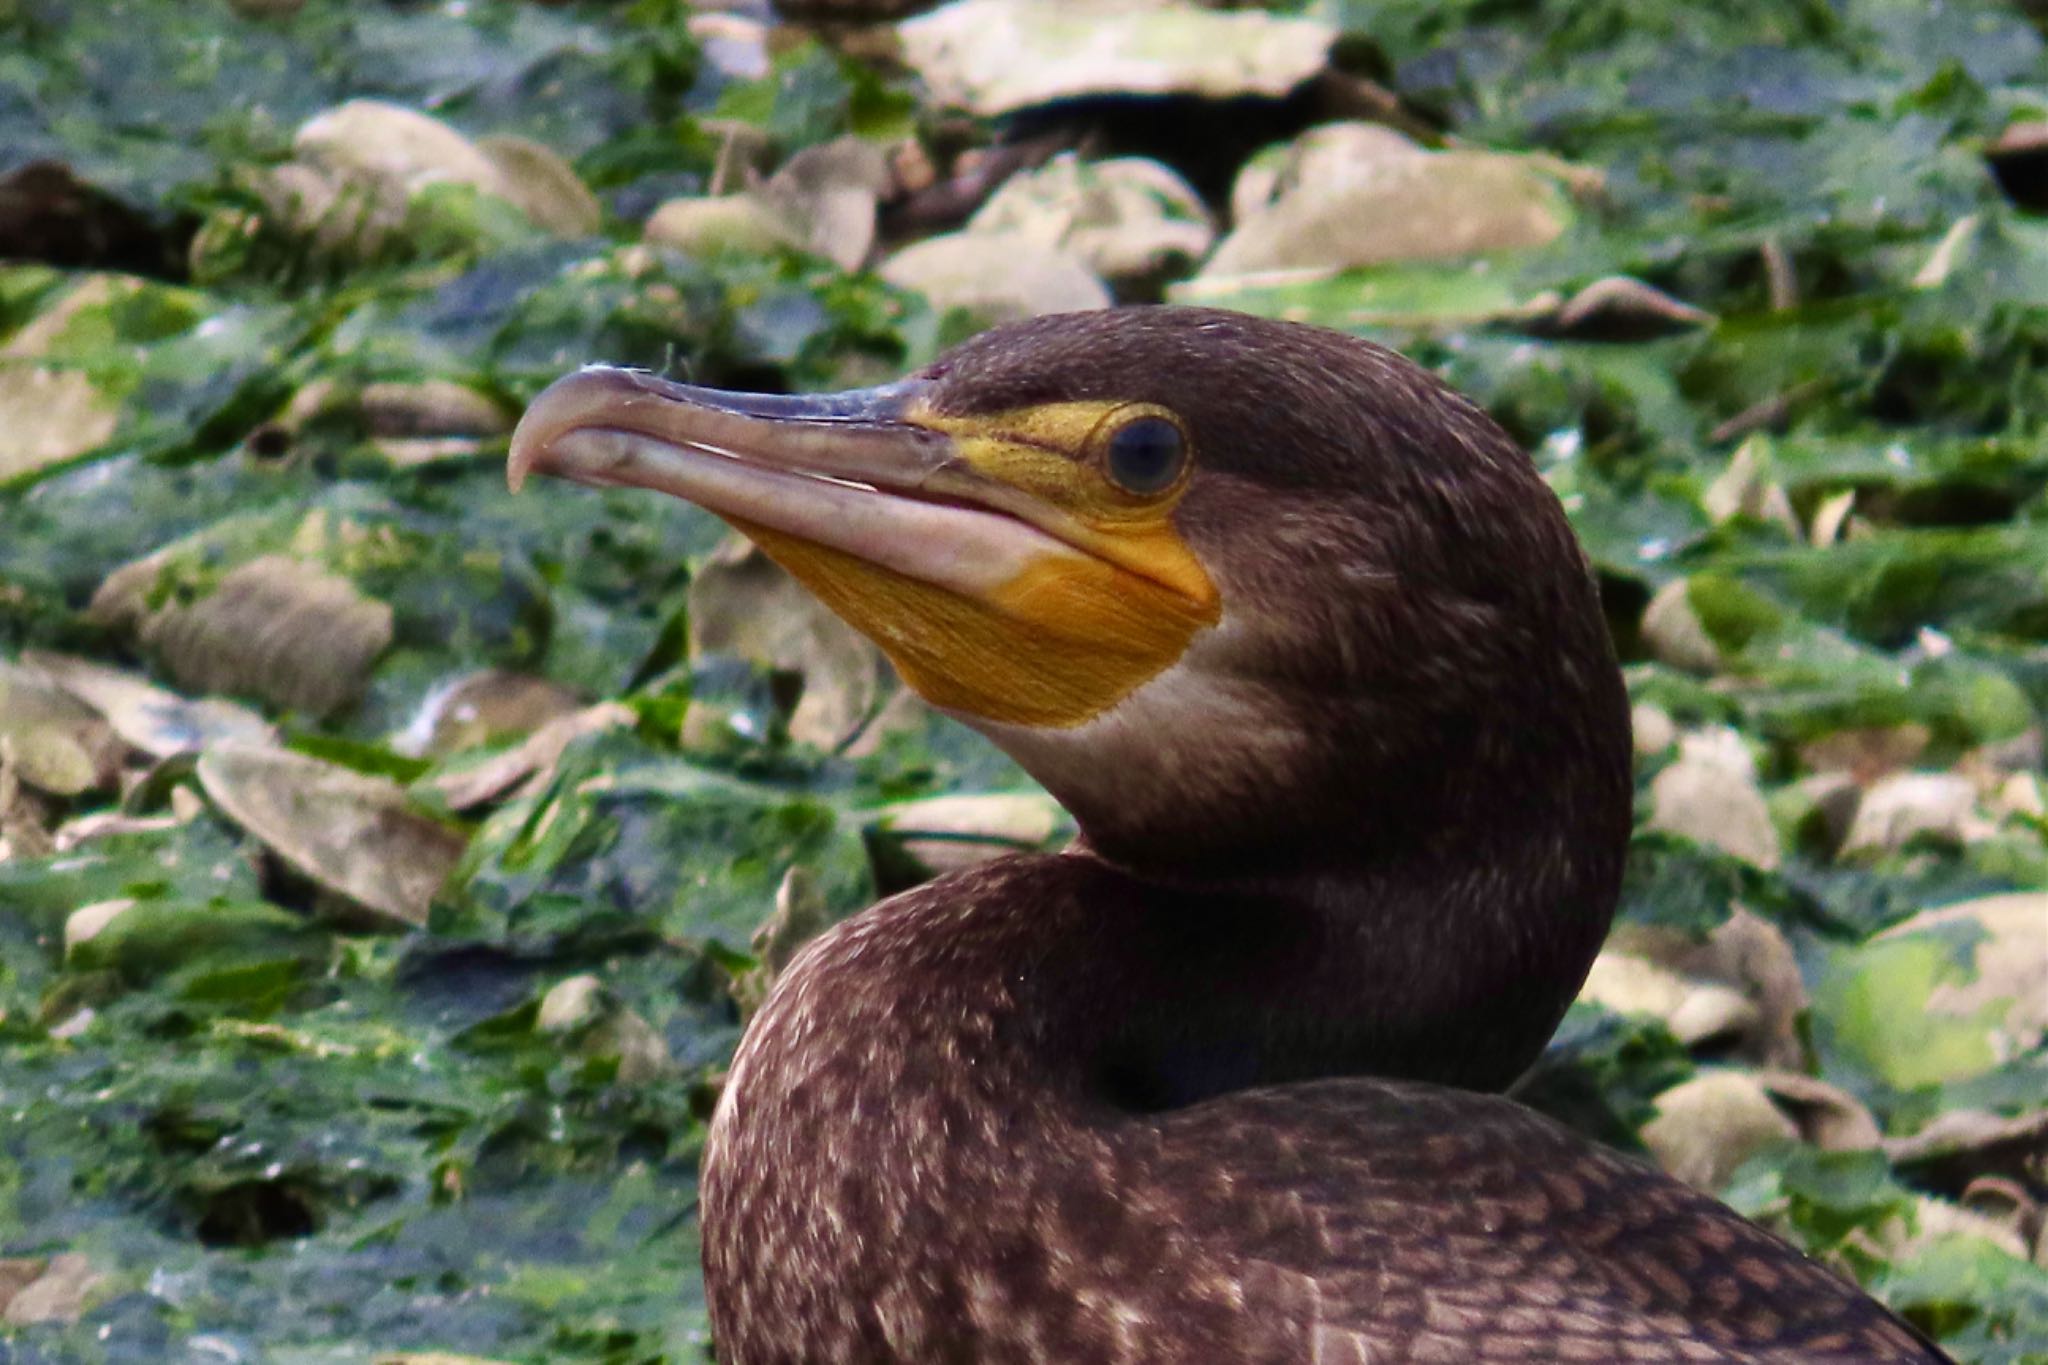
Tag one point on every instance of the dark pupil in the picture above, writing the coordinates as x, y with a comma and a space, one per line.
1145, 456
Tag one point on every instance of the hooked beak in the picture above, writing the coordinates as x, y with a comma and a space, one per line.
846, 471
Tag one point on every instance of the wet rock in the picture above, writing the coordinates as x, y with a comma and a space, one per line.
49, 739
324, 221
1619, 308
1653, 729
998, 277
994, 57
800, 915
1817, 812
734, 44
822, 200
53, 762
2014, 1207
1753, 954
59, 1292
570, 1004
1866, 754
711, 224
1710, 795
148, 718
744, 604
2023, 795
1738, 990
1359, 194
643, 1055
25, 818
1908, 806
51, 416
352, 835
1944, 997
541, 185
2006, 979
1827, 1116
1708, 1126
1937, 1220
1128, 220
1959, 1147
1831, 523
483, 708
1335, 150
1695, 1011
826, 195
53, 411
18, 1273
275, 627
360, 168
428, 420
942, 834
86, 923
529, 765
112, 824
1747, 488
579, 1009
392, 151
1674, 634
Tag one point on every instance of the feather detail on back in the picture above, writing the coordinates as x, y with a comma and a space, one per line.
1395, 1222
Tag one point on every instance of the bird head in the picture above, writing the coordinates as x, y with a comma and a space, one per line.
1200, 573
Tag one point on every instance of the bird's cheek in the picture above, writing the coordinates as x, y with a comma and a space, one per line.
1057, 645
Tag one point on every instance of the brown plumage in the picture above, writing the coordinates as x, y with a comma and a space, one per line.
1185, 1092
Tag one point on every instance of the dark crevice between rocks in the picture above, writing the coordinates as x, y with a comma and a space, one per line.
49, 216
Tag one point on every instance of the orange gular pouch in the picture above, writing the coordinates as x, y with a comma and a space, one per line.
1062, 641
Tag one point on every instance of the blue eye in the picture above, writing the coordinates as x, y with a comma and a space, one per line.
1146, 455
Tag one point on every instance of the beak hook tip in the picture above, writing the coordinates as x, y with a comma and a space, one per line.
521, 458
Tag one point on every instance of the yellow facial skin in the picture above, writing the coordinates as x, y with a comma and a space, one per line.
1065, 637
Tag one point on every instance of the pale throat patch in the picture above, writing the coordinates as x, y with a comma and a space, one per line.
1190, 727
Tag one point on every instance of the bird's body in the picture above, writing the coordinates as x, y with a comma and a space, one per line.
1308, 649
910, 1167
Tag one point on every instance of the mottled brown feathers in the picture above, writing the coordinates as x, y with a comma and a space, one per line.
1162, 1099
920, 1162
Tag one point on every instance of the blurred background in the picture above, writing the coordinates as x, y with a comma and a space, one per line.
387, 864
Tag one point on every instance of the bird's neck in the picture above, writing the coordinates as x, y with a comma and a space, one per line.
1348, 896
1171, 994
